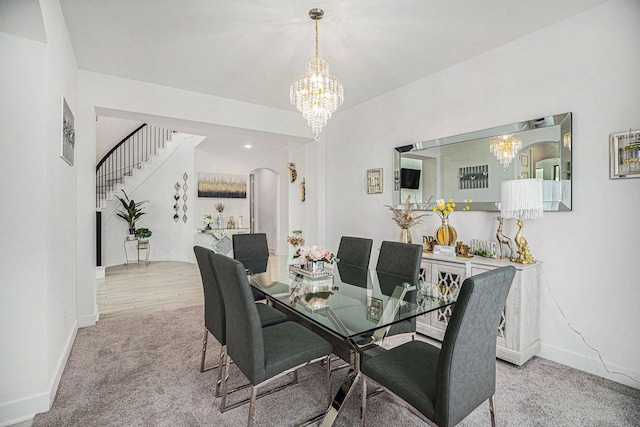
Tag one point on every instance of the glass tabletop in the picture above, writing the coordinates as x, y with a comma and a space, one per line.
352, 301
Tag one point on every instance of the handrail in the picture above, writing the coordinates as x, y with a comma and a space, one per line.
129, 154
118, 145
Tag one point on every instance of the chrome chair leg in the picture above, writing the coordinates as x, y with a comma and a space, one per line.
329, 394
224, 369
492, 410
252, 406
204, 349
363, 404
221, 363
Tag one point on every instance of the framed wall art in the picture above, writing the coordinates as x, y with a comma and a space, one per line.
223, 186
374, 181
68, 137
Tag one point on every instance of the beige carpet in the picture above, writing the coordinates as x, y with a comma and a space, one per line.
143, 370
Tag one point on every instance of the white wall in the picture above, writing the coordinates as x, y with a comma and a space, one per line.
170, 240
110, 131
39, 223
243, 162
266, 199
131, 100
588, 65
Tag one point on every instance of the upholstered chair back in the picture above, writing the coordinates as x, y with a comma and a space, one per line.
355, 251
245, 343
466, 374
252, 245
214, 315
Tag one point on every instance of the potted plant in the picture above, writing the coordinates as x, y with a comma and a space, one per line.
132, 211
143, 234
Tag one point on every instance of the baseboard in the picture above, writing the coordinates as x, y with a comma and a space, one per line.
62, 362
24, 409
89, 319
591, 365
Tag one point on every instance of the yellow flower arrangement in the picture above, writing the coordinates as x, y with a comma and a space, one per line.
443, 208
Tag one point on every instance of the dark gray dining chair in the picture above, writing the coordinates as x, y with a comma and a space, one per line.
251, 246
354, 251
399, 259
443, 386
262, 354
214, 311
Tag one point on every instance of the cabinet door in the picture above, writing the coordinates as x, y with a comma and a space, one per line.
424, 280
446, 278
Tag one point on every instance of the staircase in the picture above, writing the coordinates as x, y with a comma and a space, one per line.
129, 155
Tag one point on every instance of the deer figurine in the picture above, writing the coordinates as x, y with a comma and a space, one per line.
502, 239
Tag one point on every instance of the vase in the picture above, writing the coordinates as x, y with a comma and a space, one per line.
304, 194
220, 221
405, 235
314, 266
208, 227
446, 235
293, 175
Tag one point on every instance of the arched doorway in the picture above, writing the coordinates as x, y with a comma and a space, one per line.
264, 202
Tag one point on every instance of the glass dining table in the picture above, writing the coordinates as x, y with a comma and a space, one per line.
351, 307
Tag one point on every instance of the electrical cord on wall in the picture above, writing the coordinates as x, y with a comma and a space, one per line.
546, 282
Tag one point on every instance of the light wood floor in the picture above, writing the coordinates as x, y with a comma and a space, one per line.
161, 285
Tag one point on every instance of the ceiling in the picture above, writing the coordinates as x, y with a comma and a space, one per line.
251, 50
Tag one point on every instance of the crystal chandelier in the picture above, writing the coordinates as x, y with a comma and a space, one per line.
505, 148
316, 93
567, 140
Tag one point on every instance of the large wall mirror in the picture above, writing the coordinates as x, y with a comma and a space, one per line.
466, 166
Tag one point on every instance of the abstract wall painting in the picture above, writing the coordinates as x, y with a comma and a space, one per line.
223, 186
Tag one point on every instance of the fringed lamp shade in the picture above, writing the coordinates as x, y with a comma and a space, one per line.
521, 199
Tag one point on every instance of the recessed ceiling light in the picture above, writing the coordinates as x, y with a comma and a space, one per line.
247, 145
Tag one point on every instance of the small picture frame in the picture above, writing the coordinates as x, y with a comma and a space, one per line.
374, 181
68, 134
524, 160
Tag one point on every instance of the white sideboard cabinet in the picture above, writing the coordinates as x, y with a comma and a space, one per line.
518, 333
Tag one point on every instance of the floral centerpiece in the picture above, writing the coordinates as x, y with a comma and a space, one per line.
405, 219
313, 294
314, 253
445, 234
295, 239
208, 220
311, 260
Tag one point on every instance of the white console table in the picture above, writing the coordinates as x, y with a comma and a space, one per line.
518, 333
222, 243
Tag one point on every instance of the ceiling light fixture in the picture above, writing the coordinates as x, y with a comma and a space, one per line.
505, 148
567, 140
247, 145
316, 93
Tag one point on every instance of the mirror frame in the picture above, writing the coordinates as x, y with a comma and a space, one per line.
566, 158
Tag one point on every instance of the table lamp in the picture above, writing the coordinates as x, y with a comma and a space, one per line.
521, 199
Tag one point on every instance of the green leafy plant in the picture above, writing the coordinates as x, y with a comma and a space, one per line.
132, 211
143, 233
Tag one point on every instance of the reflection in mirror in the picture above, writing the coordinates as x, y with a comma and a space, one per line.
465, 167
